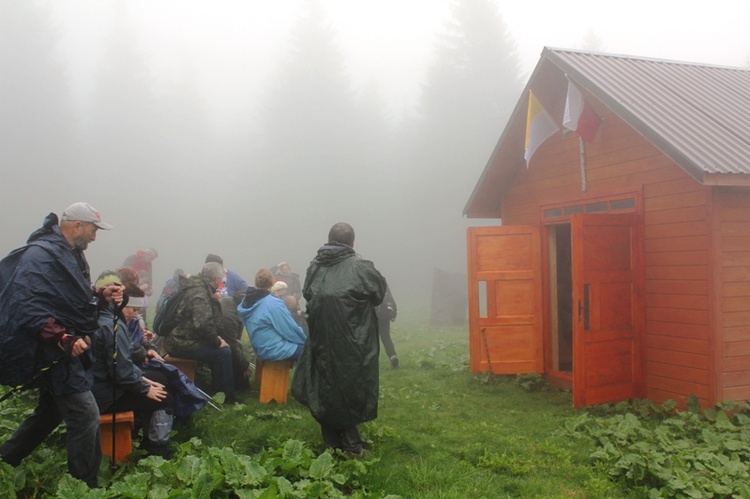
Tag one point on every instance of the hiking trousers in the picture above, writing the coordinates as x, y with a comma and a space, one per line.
348, 439
83, 439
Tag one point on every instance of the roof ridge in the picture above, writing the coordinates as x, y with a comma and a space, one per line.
657, 60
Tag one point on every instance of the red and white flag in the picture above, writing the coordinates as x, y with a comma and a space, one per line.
579, 116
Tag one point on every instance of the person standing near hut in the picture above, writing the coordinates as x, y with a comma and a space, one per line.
386, 314
337, 377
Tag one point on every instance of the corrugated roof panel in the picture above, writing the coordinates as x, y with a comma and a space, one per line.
696, 114
701, 112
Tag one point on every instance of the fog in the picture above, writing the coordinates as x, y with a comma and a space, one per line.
247, 130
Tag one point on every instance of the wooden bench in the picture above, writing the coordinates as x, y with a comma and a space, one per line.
187, 366
273, 378
124, 422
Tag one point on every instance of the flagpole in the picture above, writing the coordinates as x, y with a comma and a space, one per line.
582, 150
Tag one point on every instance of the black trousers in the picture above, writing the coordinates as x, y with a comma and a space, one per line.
384, 328
81, 417
347, 440
141, 405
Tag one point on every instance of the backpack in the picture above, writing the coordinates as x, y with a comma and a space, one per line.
166, 318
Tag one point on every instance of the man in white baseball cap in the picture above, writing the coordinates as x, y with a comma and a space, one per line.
79, 223
48, 309
84, 212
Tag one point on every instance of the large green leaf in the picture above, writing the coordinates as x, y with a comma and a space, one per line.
322, 466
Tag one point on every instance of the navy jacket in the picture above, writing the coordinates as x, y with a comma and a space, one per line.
128, 376
46, 278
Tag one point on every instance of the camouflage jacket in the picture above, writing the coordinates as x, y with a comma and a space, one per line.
199, 316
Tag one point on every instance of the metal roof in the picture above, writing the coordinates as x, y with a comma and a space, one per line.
697, 114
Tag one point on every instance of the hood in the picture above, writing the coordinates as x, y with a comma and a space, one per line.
332, 253
253, 296
49, 231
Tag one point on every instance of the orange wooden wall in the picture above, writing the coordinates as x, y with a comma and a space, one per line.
732, 235
678, 286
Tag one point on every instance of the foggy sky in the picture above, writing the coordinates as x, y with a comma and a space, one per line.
152, 111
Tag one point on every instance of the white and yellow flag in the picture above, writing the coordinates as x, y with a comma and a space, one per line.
539, 127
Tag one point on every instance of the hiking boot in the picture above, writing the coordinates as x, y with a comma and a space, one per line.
356, 455
394, 361
232, 399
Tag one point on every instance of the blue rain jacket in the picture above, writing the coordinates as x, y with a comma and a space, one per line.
273, 333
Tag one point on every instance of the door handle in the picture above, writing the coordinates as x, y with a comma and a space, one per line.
580, 310
584, 306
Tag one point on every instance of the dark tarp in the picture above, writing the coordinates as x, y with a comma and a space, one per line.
187, 397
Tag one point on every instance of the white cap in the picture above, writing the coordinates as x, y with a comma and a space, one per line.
84, 212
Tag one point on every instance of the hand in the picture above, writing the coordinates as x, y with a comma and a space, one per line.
152, 383
114, 292
78, 347
148, 335
153, 354
156, 392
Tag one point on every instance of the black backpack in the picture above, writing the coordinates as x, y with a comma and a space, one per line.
166, 318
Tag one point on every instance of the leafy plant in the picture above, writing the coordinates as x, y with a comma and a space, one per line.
532, 382
671, 453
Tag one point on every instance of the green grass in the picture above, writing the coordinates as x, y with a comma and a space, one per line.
441, 432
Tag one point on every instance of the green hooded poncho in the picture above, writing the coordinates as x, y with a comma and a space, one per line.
337, 375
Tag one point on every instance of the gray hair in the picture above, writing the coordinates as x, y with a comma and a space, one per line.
212, 270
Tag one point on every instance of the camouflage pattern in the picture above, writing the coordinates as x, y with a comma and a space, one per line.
199, 315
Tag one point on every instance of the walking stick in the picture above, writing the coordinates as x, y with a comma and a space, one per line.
487, 351
209, 399
115, 327
199, 391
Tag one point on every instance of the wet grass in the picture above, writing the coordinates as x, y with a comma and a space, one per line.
441, 432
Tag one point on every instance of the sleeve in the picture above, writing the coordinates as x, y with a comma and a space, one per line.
236, 283
139, 353
204, 323
51, 332
128, 376
389, 301
283, 323
373, 282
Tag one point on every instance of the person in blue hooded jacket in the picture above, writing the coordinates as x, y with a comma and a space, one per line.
273, 333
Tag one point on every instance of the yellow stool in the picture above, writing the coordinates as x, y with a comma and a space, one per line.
273, 378
124, 422
187, 366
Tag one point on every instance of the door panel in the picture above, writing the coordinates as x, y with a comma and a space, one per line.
607, 276
505, 325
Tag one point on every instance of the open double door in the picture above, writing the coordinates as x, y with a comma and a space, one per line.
573, 306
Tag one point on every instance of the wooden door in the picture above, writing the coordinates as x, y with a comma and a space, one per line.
505, 299
607, 301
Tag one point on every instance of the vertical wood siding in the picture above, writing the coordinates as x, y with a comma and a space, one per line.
678, 347
733, 293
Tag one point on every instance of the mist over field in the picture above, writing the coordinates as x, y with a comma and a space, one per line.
247, 130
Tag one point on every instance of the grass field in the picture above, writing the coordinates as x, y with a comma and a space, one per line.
441, 432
